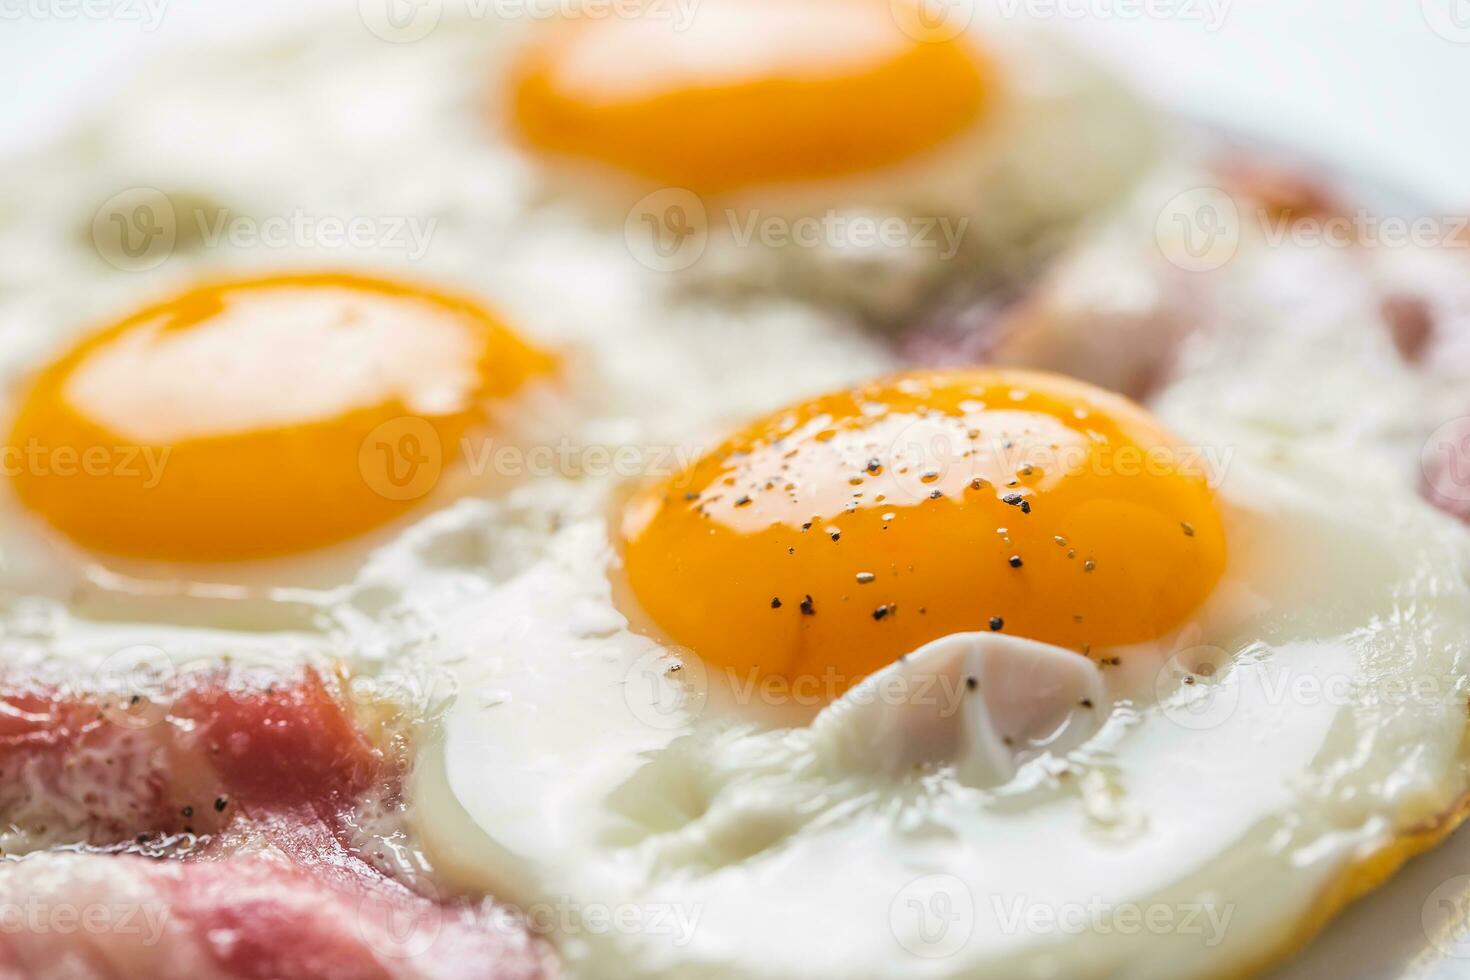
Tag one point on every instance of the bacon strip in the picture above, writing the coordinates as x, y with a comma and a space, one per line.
214, 836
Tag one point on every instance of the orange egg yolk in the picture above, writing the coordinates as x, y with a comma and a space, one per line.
749, 92
259, 417
837, 535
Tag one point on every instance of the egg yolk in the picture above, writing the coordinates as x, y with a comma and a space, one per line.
837, 535
748, 92
258, 417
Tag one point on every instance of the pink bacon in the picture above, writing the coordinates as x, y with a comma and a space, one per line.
213, 835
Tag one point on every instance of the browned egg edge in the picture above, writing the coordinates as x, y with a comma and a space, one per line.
1356, 880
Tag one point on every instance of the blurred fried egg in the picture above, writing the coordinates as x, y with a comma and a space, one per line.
852, 151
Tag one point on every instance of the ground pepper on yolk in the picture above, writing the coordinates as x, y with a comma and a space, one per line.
1001, 500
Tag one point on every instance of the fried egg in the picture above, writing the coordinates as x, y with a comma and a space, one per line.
275, 387
852, 151
859, 731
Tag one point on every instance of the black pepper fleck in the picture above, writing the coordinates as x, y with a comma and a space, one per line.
996, 623
775, 602
808, 608
1015, 561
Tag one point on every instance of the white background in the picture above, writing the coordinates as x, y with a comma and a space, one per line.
1382, 86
